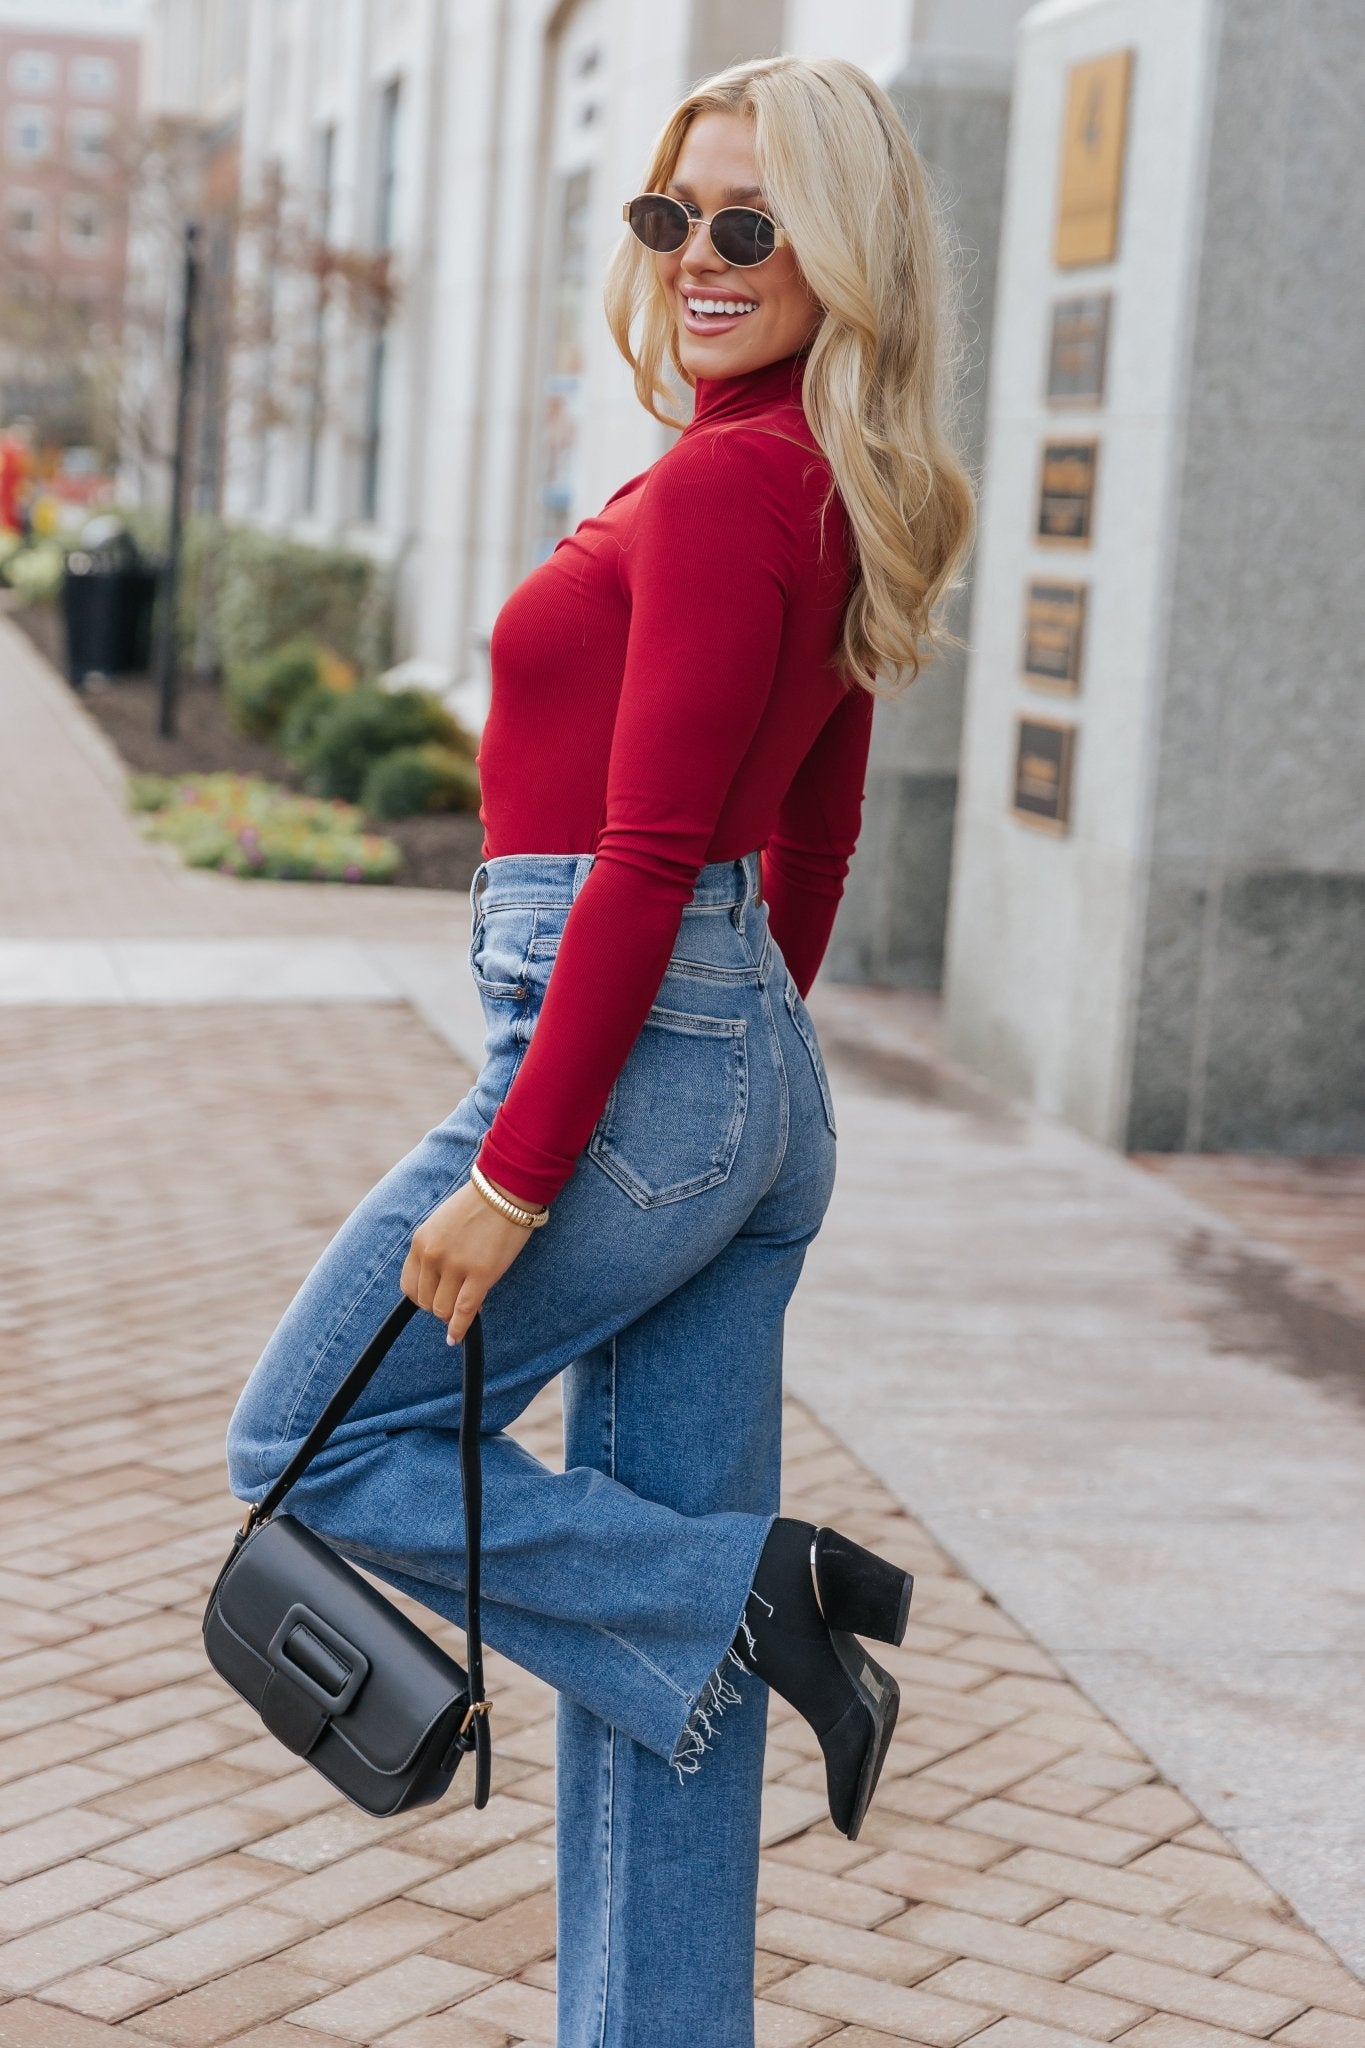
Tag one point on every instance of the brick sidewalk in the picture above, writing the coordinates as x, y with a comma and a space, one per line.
173, 1876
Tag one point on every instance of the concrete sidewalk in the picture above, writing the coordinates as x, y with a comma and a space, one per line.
1041, 1376
1140, 1429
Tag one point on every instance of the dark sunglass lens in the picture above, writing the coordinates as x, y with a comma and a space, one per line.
743, 236
661, 224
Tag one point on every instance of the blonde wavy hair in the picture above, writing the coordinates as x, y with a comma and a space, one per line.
849, 187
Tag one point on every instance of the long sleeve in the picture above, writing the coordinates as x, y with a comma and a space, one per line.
709, 570
806, 859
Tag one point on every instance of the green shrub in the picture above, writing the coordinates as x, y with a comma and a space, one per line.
260, 693
272, 590
36, 569
244, 592
244, 825
356, 730
299, 726
411, 780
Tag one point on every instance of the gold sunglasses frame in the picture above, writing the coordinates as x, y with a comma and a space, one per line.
780, 236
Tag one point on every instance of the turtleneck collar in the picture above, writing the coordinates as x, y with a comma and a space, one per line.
718, 398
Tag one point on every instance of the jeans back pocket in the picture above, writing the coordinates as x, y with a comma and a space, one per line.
802, 1019
673, 1121
497, 956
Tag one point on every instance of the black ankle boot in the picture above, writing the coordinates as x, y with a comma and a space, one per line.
849, 1701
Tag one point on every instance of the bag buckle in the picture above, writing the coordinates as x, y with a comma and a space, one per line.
318, 1659
476, 1707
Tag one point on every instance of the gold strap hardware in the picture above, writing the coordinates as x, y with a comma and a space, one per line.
478, 1707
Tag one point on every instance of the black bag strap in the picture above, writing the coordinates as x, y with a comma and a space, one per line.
475, 1729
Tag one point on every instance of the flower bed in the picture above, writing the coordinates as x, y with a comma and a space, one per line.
245, 825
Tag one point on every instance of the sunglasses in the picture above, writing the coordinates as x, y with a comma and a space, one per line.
740, 235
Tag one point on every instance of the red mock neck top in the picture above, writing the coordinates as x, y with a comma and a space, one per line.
661, 698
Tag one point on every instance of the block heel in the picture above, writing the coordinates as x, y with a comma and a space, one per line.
857, 1591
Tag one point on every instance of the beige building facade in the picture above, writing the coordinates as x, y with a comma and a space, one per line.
489, 148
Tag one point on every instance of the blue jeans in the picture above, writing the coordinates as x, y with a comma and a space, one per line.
658, 1290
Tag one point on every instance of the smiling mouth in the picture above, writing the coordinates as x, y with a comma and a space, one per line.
703, 310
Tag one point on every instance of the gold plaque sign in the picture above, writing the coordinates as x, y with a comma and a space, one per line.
1066, 492
1053, 633
1092, 160
1042, 773
1080, 343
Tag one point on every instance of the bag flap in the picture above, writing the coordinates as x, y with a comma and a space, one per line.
290, 1715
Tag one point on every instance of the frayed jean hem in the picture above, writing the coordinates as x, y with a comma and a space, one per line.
718, 1692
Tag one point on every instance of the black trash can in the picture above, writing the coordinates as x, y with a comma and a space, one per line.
108, 593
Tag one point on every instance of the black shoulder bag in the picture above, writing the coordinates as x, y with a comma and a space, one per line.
334, 1670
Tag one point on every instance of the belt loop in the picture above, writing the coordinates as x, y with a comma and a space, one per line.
582, 871
479, 876
746, 863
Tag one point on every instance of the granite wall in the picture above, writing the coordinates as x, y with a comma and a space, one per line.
892, 920
1250, 997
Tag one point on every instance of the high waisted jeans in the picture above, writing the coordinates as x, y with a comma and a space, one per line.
657, 1289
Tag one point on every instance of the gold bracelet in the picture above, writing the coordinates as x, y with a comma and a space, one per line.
531, 1218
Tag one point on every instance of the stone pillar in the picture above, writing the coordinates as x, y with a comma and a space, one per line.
954, 93
1182, 965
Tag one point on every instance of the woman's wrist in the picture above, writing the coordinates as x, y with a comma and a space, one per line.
510, 1195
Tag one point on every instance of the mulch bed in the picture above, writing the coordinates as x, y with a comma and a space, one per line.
439, 852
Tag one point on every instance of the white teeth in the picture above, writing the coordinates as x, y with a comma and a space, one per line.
722, 305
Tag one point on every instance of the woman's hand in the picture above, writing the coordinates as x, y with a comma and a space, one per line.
458, 1253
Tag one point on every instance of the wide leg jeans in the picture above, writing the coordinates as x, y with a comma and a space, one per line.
658, 1289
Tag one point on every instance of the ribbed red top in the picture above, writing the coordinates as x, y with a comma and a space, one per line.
662, 698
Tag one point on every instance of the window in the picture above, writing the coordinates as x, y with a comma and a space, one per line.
388, 165
326, 170
26, 222
580, 85
85, 306
91, 78
30, 134
83, 225
33, 71
386, 185
88, 132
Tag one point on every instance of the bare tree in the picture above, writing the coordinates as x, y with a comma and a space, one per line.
279, 309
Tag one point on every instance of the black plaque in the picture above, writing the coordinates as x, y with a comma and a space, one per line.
1079, 346
1042, 773
1066, 492
1054, 633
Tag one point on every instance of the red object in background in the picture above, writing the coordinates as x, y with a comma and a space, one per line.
76, 488
14, 464
662, 698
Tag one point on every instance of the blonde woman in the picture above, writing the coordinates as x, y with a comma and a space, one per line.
673, 772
